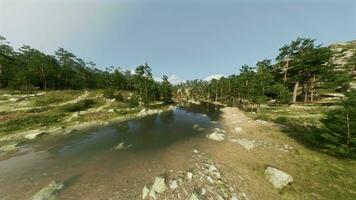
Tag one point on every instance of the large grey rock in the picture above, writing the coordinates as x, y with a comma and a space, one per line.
278, 178
48, 193
159, 185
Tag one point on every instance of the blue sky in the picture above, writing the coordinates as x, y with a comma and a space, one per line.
191, 39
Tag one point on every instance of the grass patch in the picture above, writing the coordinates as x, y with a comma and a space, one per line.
30, 121
55, 97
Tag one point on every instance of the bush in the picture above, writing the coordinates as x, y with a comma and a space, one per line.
133, 102
80, 105
112, 94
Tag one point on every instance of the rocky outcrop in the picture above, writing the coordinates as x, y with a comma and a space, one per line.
278, 178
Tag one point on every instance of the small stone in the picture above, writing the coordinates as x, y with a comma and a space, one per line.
238, 129
190, 176
173, 184
203, 191
194, 196
195, 151
210, 180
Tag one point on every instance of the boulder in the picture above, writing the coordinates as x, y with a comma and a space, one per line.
217, 135
278, 178
48, 193
34, 134
159, 185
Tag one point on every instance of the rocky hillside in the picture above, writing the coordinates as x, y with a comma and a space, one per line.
344, 56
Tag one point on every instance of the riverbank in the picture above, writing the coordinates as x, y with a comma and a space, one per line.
26, 117
252, 145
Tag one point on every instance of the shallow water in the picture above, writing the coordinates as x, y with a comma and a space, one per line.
90, 166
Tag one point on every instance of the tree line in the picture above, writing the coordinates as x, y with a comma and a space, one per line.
301, 68
29, 69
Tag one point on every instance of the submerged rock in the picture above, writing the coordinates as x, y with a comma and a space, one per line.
48, 193
198, 128
122, 146
278, 178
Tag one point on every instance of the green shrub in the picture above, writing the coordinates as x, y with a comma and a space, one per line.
79, 106
29, 121
133, 102
112, 94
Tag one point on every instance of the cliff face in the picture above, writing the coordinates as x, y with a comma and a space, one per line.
344, 56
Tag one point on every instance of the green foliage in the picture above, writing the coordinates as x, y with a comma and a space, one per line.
281, 93
79, 106
341, 126
165, 90
133, 102
110, 93
30, 121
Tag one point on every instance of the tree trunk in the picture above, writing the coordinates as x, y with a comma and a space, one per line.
216, 94
286, 71
44, 79
295, 91
312, 89
306, 93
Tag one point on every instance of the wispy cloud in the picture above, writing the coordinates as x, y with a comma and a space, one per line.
215, 76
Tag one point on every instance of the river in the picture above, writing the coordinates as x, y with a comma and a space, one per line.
91, 167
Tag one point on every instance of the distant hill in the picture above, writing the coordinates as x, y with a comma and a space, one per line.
344, 56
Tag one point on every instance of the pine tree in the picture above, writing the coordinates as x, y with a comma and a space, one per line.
341, 125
